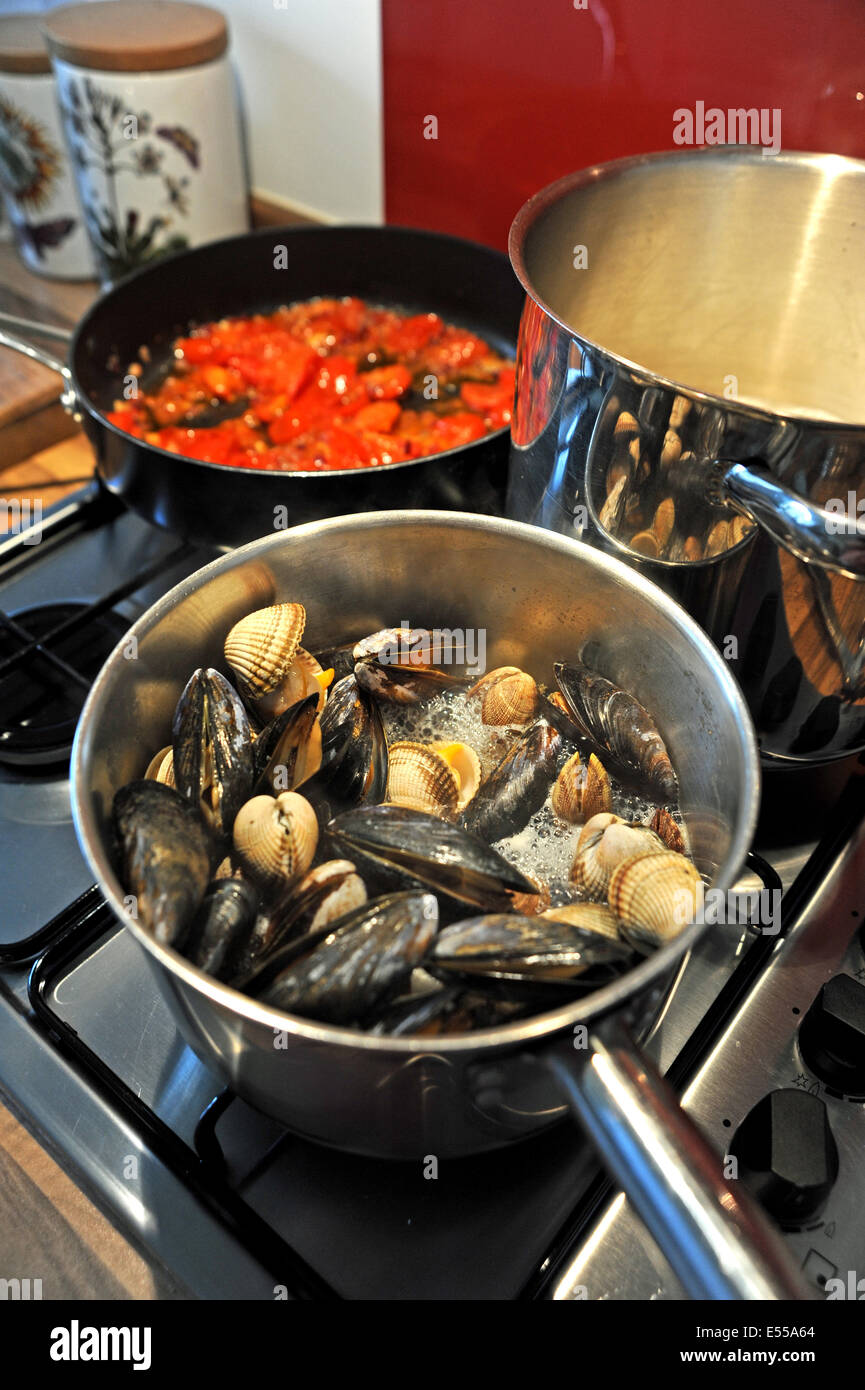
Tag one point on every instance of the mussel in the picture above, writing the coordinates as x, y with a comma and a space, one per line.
358, 964
395, 665
165, 856
323, 895
617, 723
544, 947
434, 852
212, 743
354, 758
517, 787
221, 925
288, 751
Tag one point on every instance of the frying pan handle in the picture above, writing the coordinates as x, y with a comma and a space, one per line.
712, 1232
68, 398
833, 540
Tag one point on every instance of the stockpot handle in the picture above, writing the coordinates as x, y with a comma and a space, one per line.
832, 540
68, 398
712, 1232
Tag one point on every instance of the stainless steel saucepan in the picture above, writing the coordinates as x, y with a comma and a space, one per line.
538, 597
691, 396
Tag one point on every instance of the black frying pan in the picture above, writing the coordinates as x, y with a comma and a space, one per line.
467, 284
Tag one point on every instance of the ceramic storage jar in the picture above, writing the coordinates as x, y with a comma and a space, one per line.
151, 119
36, 180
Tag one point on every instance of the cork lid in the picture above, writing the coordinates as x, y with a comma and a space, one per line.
22, 47
135, 35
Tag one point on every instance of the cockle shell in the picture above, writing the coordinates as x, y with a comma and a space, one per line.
626, 426
718, 539
262, 646
510, 696
671, 450
275, 838
646, 543
580, 792
664, 825
532, 904
663, 521
680, 411
161, 767
598, 858
654, 896
303, 677
591, 916
420, 778
466, 764
595, 824
348, 892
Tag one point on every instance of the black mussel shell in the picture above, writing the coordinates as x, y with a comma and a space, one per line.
212, 743
616, 723
287, 752
532, 947
362, 960
221, 925
165, 856
353, 746
441, 855
517, 787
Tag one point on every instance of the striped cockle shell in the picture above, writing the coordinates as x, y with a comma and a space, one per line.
654, 896
420, 778
348, 892
466, 764
275, 838
510, 697
580, 792
304, 677
664, 521
595, 824
531, 904
671, 450
262, 646
590, 916
646, 543
679, 412
626, 426
595, 862
161, 767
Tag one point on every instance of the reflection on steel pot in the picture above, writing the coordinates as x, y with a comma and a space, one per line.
691, 397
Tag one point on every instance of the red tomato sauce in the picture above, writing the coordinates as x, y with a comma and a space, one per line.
329, 383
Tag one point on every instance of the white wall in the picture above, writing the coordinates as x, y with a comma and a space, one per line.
310, 75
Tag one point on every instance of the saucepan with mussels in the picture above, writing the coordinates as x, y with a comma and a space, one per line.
400, 807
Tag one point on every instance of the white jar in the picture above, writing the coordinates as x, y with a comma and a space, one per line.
151, 120
36, 180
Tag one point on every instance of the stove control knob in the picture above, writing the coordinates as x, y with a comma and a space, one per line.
787, 1156
832, 1036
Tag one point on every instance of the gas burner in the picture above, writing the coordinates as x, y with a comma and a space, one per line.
49, 658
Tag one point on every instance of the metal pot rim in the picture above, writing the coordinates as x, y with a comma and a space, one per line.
507, 1037
546, 197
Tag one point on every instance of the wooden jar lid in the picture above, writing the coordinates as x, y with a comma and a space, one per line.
22, 46
135, 35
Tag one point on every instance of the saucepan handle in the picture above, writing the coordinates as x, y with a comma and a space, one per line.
8, 339
812, 533
714, 1235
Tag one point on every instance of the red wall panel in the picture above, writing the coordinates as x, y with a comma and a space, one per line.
525, 92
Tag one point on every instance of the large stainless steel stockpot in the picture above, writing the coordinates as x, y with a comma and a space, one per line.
694, 335
538, 598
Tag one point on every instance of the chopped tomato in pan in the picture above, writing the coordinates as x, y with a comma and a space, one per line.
326, 384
